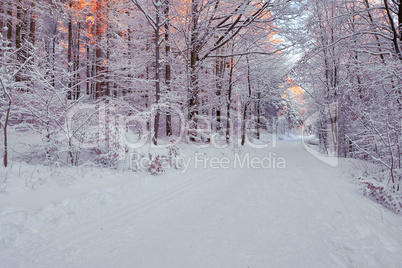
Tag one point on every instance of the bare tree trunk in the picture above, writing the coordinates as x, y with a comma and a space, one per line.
193, 90
244, 125
32, 26
18, 28
167, 68
400, 20
93, 71
393, 29
98, 69
2, 15
88, 83
5, 160
220, 66
107, 62
108, 31
229, 100
101, 22
70, 152
157, 72
18, 37
5, 134
70, 52
77, 78
10, 24
53, 60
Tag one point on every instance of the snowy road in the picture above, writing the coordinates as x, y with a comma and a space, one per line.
306, 215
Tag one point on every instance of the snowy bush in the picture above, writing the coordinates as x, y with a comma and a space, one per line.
379, 191
174, 159
107, 159
155, 164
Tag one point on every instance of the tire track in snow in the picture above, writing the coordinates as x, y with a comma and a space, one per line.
311, 213
91, 230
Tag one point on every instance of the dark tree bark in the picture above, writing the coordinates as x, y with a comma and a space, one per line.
393, 29
2, 16
229, 100
157, 70
88, 71
70, 51
18, 37
77, 78
194, 57
5, 134
167, 67
32, 26
220, 67
10, 24
100, 70
246, 105
400, 20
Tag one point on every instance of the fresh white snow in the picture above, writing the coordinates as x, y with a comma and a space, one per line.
307, 214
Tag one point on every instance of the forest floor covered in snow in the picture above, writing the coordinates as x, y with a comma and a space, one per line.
304, 214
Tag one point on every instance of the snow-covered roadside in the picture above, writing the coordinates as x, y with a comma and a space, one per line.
305, 215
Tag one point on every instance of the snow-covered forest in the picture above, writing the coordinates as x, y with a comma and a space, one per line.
352, 73
150, 59
139, 88
204, 60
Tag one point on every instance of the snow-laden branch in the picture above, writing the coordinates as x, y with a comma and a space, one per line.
149, 18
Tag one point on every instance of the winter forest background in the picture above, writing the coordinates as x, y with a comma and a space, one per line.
332, 66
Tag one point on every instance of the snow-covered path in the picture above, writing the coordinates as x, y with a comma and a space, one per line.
306, 215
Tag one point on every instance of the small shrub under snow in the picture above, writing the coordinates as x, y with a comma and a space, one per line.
378, 190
